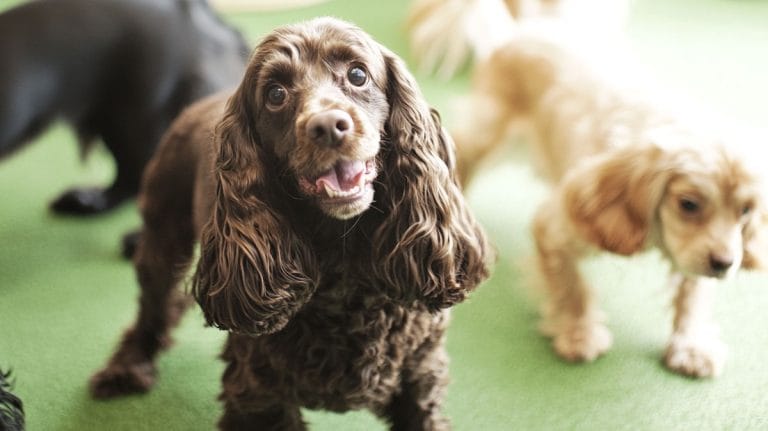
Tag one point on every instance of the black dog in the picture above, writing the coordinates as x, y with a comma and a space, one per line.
11, 409
116, 70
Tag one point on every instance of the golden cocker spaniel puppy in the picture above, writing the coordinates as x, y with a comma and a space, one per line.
626, 178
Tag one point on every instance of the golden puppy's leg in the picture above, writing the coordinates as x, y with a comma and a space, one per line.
695, 348
570, 315
482, 129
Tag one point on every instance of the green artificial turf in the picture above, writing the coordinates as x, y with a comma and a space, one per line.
66, 295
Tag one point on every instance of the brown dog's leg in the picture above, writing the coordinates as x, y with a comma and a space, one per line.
248, 404
418, 406
164, 251
275, 418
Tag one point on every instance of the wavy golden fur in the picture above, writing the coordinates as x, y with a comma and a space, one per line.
333, 236
626, 178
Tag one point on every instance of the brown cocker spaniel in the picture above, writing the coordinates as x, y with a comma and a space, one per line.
333, 237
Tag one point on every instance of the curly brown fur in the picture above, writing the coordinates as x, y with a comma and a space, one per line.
333, 236
11, 407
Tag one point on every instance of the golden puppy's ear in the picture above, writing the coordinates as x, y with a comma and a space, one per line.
612, 198
755, 240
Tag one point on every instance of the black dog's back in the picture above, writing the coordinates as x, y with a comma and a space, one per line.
115, 69
74, 58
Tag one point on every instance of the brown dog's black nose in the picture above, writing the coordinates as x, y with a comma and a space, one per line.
329, 128
719, 263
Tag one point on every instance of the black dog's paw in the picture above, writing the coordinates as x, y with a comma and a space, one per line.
118, 380
85, 201
82, 202
130, 242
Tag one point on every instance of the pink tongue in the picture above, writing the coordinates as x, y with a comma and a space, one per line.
344, 176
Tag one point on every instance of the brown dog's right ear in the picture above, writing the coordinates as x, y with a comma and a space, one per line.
254, 273
611, 200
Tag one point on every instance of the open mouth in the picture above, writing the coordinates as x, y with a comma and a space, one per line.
347, 181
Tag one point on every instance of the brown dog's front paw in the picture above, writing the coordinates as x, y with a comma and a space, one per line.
582, 342
118, 380
696, 357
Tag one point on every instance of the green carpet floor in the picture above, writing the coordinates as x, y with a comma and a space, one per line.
66, 295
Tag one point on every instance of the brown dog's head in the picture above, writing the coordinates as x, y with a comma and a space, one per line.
313, 102
328, 120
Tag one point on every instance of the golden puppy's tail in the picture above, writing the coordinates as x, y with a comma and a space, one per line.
444, 34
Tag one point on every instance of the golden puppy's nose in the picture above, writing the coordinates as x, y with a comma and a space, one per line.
720, 263
328, 128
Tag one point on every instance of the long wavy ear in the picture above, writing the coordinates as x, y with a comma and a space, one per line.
429, 247
612, 199
254, 273
755, 239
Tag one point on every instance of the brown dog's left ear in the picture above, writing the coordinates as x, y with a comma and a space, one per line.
755, 239
612, 199
429, 247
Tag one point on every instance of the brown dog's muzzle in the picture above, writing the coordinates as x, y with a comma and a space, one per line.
329, 128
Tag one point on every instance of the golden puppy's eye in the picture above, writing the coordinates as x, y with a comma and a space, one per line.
276, 95
357, 76
689, 206
746, 209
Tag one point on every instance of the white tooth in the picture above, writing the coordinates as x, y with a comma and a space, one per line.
333, 193
329, 191
351, 192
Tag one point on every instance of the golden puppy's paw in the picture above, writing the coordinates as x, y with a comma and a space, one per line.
696, 356
582, 342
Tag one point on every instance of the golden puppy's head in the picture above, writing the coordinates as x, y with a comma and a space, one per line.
701, 206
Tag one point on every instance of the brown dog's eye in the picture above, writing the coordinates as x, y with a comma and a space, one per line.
357, 76
689, 206
276, 95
